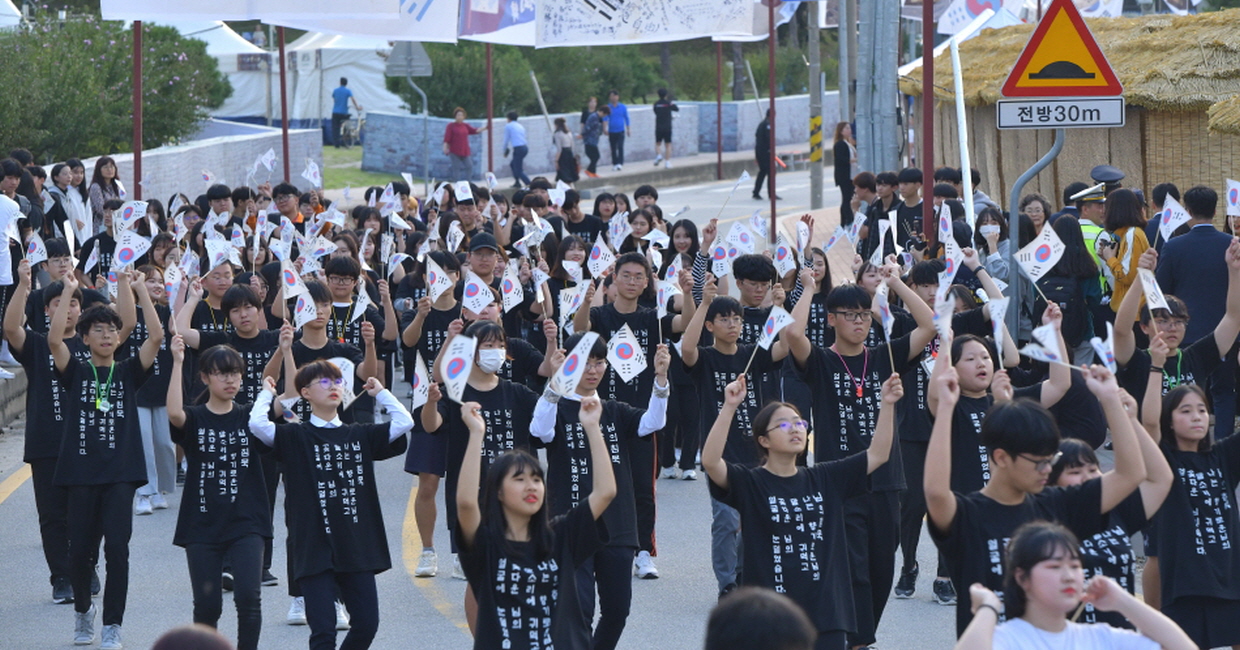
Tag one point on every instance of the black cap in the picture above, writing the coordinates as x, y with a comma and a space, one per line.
483, 240
1106, 174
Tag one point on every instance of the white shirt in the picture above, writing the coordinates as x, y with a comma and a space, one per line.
265, 430
1019, 634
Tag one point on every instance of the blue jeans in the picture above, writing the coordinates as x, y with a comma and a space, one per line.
725, 542
518, 164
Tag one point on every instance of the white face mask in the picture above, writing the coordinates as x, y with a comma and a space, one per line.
489, 361
988, 229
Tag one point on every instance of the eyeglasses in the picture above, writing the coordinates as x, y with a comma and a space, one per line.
854, 316
597, 364
1171, 323
803, 425
633, 278
724, 321
327, 382
1045, 463
284, 197
341, 281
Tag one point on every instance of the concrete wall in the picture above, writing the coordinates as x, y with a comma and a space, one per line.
393, 143
178, 168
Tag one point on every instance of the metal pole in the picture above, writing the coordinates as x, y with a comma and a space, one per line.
770, 73
426, 125
137, 110
928, 224
815, 116
283, 102
719, 110
1013, 314
846, 29
490, 114
963, 135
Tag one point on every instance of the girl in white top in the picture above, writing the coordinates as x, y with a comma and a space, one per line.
1044, 583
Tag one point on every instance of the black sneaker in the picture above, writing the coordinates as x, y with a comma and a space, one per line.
62, 590
908, 582
727, 590
944, 592
269, 579
95, 587
226, 581
180, 475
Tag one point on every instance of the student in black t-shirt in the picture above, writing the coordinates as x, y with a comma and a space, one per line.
557, 424
247, 335
209, 315
1022, 443
101, 459
801, 508
521, 563
344, 324
337, 540
102, 246
225, 511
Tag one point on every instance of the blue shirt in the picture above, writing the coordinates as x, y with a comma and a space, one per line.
514, 135
340, 100
619, 121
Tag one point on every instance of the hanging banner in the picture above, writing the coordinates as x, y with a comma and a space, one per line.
418, 20
269, 11
506, 22
563, 23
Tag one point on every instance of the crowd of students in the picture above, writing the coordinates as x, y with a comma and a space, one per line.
243, 338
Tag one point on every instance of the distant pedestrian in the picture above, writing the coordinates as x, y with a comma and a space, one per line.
617, 128
845, 160
762, 152
514, 140
456, 145
590, 135
341, 97
566, 162
663, 109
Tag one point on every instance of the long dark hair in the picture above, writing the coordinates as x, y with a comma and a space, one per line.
1076, 261
97, 177
824, 287
979, 242
1123, 210
604, 196
566, 245
1171, 402
691, 230
1032, 543
74, 163
515, 461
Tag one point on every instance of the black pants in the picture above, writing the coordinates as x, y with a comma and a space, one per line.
97, 511
338, 120
643, 464
681, 431
206, 562
52, 502
519, 153
764, 169
357, 592
913, 503
592, 155
846, 195
872, 528
271, 474
617, 147
611, 568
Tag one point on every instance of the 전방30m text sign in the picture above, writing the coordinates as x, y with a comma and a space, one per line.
1079, 113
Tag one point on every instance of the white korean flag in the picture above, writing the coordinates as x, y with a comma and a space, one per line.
1106, 349
740, 181
671, 218
836, 237
523, 245
348, 372
455, 236
741, 239
421, 382
1233, 198
625, 354
394, 262
785, 258
437, 197
477, 295
36, 251
672, 272
854, 231
238, 237
540, 278
290, 281
884, 226
802, 236
556, 196
172, 283
462, 191
1174, 215
655, 258
601, 258
544, 229
883, 305
618, 228
217, 252
775, 322
268, 159
944, 215
260, 229
666, 291
1044, 346
658, 238
309, 265
130, 248
208, 177
574, 270
386, 200
312, 173
363, 304
280, 248
944, 308
320, 247
128, 215
306, 311
566, 378
998, 309
189, 265
113, 286
334, 216
458, 361
398, 223
437, 280
953, 257
510, 289
720, 263
492, 181
1154, 298
1041, 254
570, 301
758, 225
561, 185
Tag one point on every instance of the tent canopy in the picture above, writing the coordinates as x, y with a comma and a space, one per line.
318, 61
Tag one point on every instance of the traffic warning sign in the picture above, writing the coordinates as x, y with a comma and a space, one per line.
1062, 59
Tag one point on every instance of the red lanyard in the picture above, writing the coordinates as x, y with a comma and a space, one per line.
865, 366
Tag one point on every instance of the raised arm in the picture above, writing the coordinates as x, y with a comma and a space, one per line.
940, 502
1060, 381
60, 351
401, 422
922, 313
688, 308
370, 363
793, 338
391, 323
176, 400
1129, 307
125, 305
1129, 470
1107, 596
884, 430
1151, 403
712, 452
184, 316
604, 489
468, 515
260, 414
1158, 475
581, 319
413, 334
15, 314
431, 419
1228, 328
550, 334
986, 606
154, 327
693, 332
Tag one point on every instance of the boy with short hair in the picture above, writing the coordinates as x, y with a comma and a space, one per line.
105, 242
344, 326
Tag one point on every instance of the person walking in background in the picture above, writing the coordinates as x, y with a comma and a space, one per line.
456, 145
514, 140
590, 135
565, 162
341, 97
663, 109
845, 160
762, 152
617, 128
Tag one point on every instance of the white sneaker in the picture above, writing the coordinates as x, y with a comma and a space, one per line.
428, 564
667, 164
342, 617
646, 570
668, 472
658, 159
84, 626
619, 167
296, 612
110, 639
158, 502
689, 475
457, 571
142, 505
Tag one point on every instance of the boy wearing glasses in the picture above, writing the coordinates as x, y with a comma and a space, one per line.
845, 381
101, 460
344, 324
285, 196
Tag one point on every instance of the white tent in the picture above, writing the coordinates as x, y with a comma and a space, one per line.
245, 65
316, 63
9, 15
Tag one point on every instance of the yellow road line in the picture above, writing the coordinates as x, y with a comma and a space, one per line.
10, 484
411, 551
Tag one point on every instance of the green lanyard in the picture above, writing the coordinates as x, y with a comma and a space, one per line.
101, 400
1173, 382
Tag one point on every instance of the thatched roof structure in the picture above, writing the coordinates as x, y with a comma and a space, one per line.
1166, 63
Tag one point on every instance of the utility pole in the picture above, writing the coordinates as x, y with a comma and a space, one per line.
847, 32
815, 113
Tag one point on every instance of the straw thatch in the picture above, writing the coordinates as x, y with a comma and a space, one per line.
1225, 116
1166, 63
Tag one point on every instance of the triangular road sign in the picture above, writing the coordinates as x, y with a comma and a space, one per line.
1062, 59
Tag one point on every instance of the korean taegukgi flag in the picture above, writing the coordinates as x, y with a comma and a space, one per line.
777, 321
1041, 254
458, 361
625, 354
566, 378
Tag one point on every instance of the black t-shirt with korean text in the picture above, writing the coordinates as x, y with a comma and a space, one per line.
303, 354
46, 405
256, 352
154, 392
644, 322
1191, 365
913, 421
711, 374
1109, 553
102, 442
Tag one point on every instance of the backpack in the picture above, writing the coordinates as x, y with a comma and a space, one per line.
1067, 293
